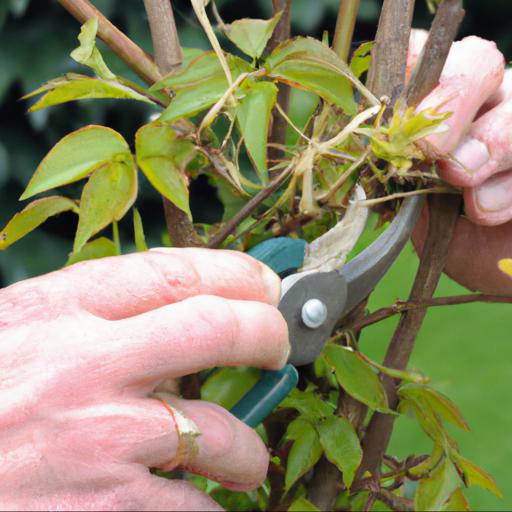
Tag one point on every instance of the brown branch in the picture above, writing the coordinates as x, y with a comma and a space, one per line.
395, 502
325, 486
279, 125
389, 54
401, 306
134, 56
168, 56
250, 206
431, 61
444, 212
344, 31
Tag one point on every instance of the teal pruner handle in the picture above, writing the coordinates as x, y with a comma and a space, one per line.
266, 395
283, 255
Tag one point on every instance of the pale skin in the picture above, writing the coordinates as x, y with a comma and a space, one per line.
83, 347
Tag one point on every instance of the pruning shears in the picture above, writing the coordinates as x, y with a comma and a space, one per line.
313, 303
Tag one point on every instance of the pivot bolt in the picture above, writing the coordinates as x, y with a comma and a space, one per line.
314, 313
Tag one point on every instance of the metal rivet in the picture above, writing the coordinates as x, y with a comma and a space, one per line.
314, 313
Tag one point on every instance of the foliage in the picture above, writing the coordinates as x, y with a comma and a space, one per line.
214, 116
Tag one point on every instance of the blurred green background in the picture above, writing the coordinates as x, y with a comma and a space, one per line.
466, 349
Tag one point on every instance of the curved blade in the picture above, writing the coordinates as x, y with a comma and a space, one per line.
364, 272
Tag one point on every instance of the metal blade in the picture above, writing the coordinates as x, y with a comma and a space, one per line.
364, 272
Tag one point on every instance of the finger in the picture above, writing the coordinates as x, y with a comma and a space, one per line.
228, 451
417, 41
475, 252
155, 493
485, 151
490, 203
125, 286
472, 73
191, 335
504, 93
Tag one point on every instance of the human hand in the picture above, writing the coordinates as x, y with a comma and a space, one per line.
84, 346
475, 154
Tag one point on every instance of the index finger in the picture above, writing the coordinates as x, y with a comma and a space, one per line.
126, 286
473, 72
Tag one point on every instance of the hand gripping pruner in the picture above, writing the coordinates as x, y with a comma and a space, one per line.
313, 303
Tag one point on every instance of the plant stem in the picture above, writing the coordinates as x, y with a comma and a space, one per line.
279, 126
345, 24
134, 56
401, 306
444, 212
433, 56
389, 55
168, 54
250, 206
168, 57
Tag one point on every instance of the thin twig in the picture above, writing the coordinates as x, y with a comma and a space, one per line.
395, 502
401, 306
333, 189
344, 31
249, 207
136, 58
401, 195
279, 125
168, 56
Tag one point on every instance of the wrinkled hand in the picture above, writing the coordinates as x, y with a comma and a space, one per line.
81, 349
476, 154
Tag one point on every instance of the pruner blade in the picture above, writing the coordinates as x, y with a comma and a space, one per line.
314, 302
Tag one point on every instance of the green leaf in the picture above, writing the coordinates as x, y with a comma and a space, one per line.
106, 197
309, 404
361, 58
318, 77
304, 454
307, 63
438, 402
251, 35
253, 116
77, 155
356, 377
200, 69
87, 53
200, 85
456, 503
227, 386
302, 505
191, 101
138, 231
33, 216
162, 157
406, 376
428, 419
432, 492
474, 475
95, 249
341, 446
73, 87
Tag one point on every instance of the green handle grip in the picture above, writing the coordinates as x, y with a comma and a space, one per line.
282, 255
266, 395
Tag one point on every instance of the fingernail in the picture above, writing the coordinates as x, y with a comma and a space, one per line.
495, 194
470, 155
272, 284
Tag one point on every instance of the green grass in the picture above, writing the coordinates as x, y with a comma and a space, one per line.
467, 351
